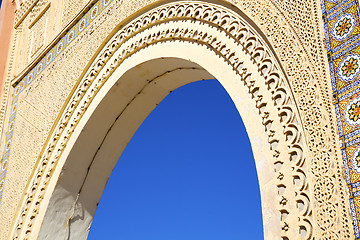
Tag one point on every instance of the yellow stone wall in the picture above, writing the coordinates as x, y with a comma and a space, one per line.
292, 28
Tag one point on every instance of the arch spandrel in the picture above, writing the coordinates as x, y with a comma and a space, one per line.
285, 78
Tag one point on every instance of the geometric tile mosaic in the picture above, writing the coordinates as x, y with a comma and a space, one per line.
49, 57
342, 30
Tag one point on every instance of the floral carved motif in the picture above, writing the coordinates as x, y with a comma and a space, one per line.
308, 74
292, 171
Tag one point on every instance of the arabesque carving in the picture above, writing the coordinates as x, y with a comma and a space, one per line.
299, 50
23, 11
309, 177
294, 205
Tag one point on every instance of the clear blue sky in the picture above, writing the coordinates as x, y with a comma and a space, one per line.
188, 173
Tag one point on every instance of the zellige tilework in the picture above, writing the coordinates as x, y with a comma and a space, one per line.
342, 30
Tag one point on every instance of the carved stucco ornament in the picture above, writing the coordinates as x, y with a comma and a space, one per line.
301, 182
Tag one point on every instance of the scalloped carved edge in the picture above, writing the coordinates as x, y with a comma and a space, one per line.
244, 35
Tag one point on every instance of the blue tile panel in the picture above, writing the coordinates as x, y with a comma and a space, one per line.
73, 32
342, 30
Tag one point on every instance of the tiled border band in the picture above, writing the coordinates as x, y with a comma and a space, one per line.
49, 57
342, 30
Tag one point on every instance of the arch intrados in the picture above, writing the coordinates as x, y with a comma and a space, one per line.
254, 89
105, 133
108, 129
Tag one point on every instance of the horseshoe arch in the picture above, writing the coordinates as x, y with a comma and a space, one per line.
165, 46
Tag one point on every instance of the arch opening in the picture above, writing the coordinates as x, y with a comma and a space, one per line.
126, 81
105, 135
187, 173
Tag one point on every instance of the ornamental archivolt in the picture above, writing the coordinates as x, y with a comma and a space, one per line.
152, 28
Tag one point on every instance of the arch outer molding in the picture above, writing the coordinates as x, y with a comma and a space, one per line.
293, 110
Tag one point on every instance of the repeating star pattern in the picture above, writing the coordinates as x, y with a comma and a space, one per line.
341, 25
